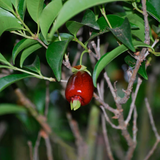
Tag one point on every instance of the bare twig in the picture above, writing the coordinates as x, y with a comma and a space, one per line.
35, 154
47, 99
133, 101
104, 129
108, 120
115, 111
95, 49
154, 130
135, 125
81, 146
30, 150
151, 119
49, 148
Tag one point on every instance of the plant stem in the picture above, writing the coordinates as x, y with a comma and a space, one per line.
82, 56
104, 14
78, 41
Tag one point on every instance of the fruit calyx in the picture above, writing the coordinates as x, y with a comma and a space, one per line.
80, 68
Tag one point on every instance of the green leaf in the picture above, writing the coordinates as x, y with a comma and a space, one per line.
22, 8
89, 19
21, 45
35, 66
73, 27
48, 15
6, 108
138, 21
73, 7
54, 56
35, 8
108, 57
153, 8
123, 34
3, 60
6, 4
15, 3
29, 51
132, 62
8, 21
8, 80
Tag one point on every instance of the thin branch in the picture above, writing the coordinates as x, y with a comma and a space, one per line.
95, 49
30, 150
151, 119
115, 111
35, 155
135, 125
152, 150
104, 129
79, 140
133, 101
108, 120
47, 99
49, 148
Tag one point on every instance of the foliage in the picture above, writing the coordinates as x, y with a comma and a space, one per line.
47, 39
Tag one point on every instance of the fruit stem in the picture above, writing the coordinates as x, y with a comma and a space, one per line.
75, 104
82, 56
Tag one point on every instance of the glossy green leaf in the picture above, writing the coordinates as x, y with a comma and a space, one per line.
20, 46
6, 108
132, 62
138, 21
90, 20
6, 4
8, 21
123, 34
35, 66
153, 8
54, 56
48, 15
114, 20
15, 3
108, 57
3, 60
22, 8
73, 27
29, 51
8, 80
35, 8
73, 7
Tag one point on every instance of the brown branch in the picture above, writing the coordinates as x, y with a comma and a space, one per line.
30, 150
35, 155
135, 125
81, 146
106, 140
133, 101
154, 130
49, 148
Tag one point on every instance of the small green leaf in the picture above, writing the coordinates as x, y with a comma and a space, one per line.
35, 8
123, 34
3, 60
48, 15
153, 9
138, 21
35, 66
15, 3
54, 56
29, 51
22, 8
8, 80
6, 108
73, 7
132, 62
73, 27
6, 4
8, 21
89, 19
108, 57
21, 45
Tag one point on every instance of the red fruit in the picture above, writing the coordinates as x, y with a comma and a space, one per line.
79, 90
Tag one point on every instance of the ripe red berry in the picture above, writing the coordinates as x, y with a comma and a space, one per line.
79, 90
